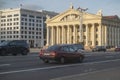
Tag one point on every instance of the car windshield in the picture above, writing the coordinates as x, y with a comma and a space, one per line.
4, 43
52, 48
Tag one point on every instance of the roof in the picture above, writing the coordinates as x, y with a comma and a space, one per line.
111, 17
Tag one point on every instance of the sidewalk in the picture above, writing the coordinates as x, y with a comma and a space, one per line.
34, 50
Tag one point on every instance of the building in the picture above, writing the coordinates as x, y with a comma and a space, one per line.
24, 24
77, 26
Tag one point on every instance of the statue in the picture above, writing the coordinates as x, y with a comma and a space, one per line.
99, 12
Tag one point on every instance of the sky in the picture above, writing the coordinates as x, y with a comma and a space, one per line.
109, 7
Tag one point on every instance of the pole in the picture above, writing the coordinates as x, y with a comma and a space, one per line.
80, 27
81, 21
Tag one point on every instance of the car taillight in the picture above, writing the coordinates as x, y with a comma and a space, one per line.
53, 54
41, 52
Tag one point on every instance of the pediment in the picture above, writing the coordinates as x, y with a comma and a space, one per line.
71, 15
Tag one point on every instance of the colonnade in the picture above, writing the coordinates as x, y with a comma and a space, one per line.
69, 34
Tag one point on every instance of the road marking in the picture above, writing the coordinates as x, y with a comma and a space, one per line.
53, 67
4, 65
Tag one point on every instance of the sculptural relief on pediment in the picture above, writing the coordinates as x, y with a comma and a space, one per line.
70, 17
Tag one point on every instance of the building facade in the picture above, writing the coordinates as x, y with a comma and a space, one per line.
24, 24
76, 26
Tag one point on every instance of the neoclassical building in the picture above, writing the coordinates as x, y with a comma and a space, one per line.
76, 26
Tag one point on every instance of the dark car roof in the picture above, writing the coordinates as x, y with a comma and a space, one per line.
55, 47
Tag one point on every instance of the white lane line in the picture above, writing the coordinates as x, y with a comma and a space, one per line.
4, 65
53, 67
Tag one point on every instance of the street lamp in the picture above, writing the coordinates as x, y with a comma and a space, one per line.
81, 10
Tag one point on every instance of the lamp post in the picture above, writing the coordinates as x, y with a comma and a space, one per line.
81, 10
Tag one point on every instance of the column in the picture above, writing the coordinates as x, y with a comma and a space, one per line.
93, 36
52, 35
100, 34
68, 34
113, 35
74, 34
60, 35
87, 35
57, 34
106, 36
63, 32
118, 35
48, 37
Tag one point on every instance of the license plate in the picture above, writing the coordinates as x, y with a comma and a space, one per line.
46, 54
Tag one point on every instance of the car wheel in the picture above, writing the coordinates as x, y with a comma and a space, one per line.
3, 53
62, 60
24, 52
14, 54
46, 61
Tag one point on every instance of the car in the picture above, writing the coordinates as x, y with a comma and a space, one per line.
117, 48
79, 47
14, 47
60, 53
99, 48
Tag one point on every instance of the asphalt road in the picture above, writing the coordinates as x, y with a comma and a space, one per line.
31, 67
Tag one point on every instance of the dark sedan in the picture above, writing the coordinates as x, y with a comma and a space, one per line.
99, 48
117, 48
61, 53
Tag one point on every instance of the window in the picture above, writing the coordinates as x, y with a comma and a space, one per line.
16, 19
25, 23
38, 17
71, 49
22, 23
96, 42
9, 16
29, 28
33, 24
3, 16
39, 25
22, 19
24, 15
29, 24
37, 20
31, 16
33, 20
16, 14
1, 24
64, 48
25, 19
30, 20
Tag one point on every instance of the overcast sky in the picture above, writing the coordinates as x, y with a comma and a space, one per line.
109, 7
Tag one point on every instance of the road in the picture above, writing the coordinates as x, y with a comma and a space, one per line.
31, 67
